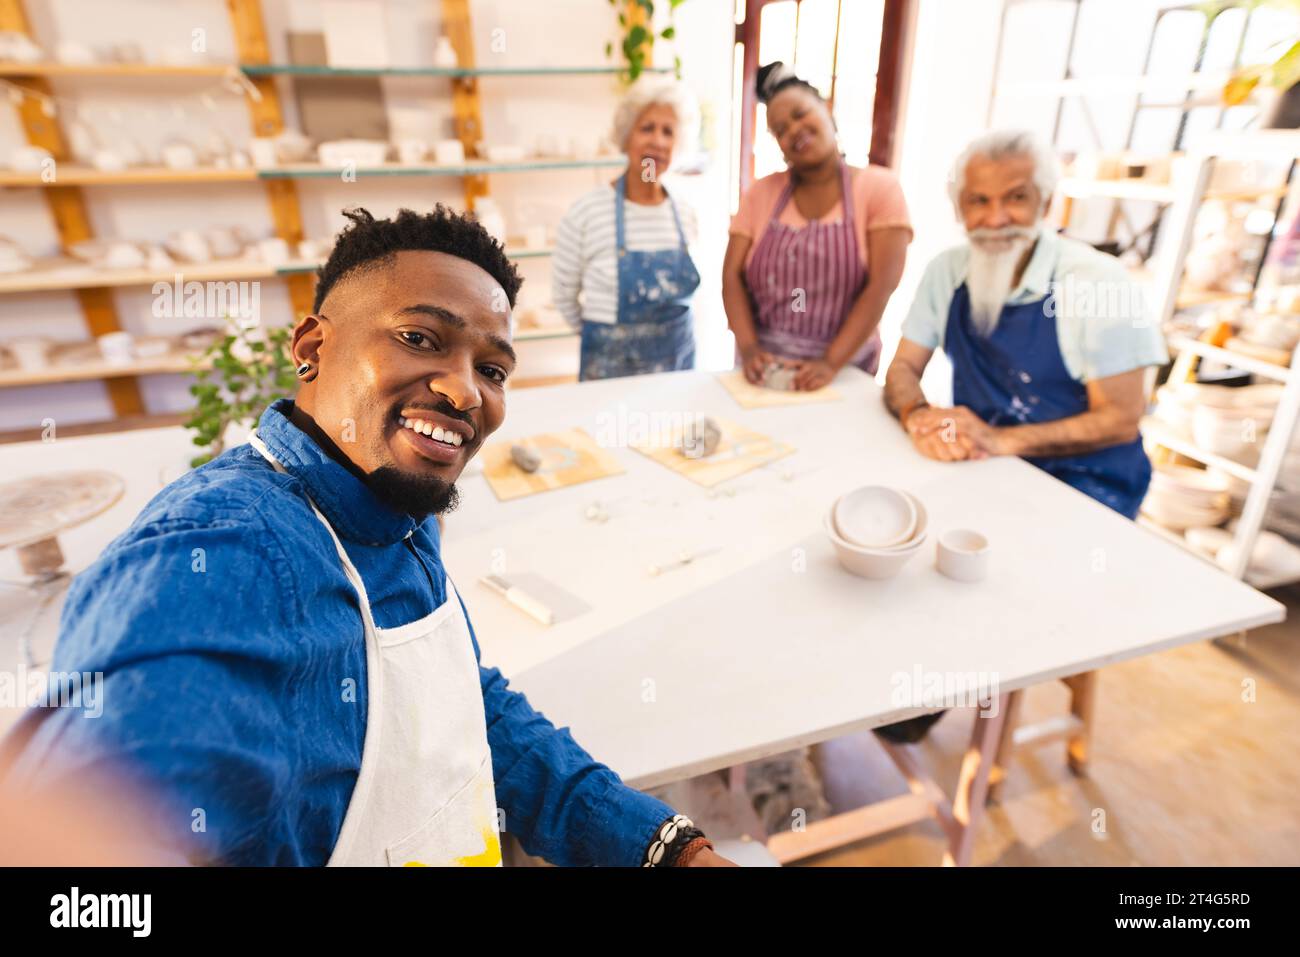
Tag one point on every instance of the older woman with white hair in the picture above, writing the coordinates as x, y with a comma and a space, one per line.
622, 270
1048, 338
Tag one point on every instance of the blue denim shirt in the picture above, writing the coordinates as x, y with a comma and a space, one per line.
226, 632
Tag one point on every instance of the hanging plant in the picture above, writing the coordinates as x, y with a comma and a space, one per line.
639, 36
236, 378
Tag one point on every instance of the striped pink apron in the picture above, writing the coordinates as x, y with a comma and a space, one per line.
802, 283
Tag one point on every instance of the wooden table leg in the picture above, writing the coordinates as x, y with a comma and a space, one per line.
972, 784
1083, 699
1006, 746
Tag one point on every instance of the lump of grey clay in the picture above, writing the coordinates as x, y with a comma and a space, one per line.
701, 438
780, 377
527, 459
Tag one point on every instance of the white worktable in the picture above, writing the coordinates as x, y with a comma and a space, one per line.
743, 654
766, 643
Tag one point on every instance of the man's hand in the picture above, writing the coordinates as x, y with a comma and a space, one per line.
943, 447
709, 858
811, 374
987, 439
950, 435
926, 419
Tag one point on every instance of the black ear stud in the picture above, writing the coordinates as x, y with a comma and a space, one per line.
304, 369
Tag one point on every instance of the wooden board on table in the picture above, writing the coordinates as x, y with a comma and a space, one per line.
568, 458
751, 396
741, 450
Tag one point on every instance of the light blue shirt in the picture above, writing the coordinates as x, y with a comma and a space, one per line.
1103, 324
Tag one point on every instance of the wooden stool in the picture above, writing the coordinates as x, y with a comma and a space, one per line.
1075, 729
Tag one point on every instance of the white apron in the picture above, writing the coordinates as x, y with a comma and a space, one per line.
425, 794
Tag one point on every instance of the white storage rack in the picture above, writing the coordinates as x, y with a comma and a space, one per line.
1190, 189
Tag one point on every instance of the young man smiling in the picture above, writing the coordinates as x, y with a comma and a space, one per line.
286, 663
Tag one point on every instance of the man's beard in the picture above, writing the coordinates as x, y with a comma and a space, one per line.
992, 270
415, 495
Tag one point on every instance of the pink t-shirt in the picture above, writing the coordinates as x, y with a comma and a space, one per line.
877, 203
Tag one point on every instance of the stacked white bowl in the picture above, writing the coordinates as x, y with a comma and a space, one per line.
1236, 422
876, 530
1232, 422
1182, 497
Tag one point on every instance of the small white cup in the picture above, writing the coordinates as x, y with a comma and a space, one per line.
30, 353
262, 151
449, 152
273, 251
117, 347
108, 161
411, 152
963, 555
179, 156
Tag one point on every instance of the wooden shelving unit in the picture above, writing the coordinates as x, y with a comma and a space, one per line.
256, 73
123, 70
100, 369
68, 209
468, 169
66, 274
72, 174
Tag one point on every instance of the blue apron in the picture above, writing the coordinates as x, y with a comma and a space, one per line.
1017, 376
655, 329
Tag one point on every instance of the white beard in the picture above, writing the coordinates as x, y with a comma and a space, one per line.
994, 255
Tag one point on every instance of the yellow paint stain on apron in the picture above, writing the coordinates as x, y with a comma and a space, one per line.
491, 856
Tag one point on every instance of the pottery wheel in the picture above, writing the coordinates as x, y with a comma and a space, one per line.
34, 510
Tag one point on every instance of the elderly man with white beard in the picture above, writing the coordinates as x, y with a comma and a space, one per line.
1047, 337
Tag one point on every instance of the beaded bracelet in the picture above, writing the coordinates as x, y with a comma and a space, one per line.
670, 840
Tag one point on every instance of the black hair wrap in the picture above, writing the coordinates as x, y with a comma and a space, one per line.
774, 77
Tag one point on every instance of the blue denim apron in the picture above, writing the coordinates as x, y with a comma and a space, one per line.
655, 329
1017, 376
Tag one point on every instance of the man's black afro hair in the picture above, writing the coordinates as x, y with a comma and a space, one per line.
367, 241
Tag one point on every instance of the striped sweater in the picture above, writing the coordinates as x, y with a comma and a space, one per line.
584, 270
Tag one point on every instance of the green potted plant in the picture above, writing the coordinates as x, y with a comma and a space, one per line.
236, 378
639, 35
